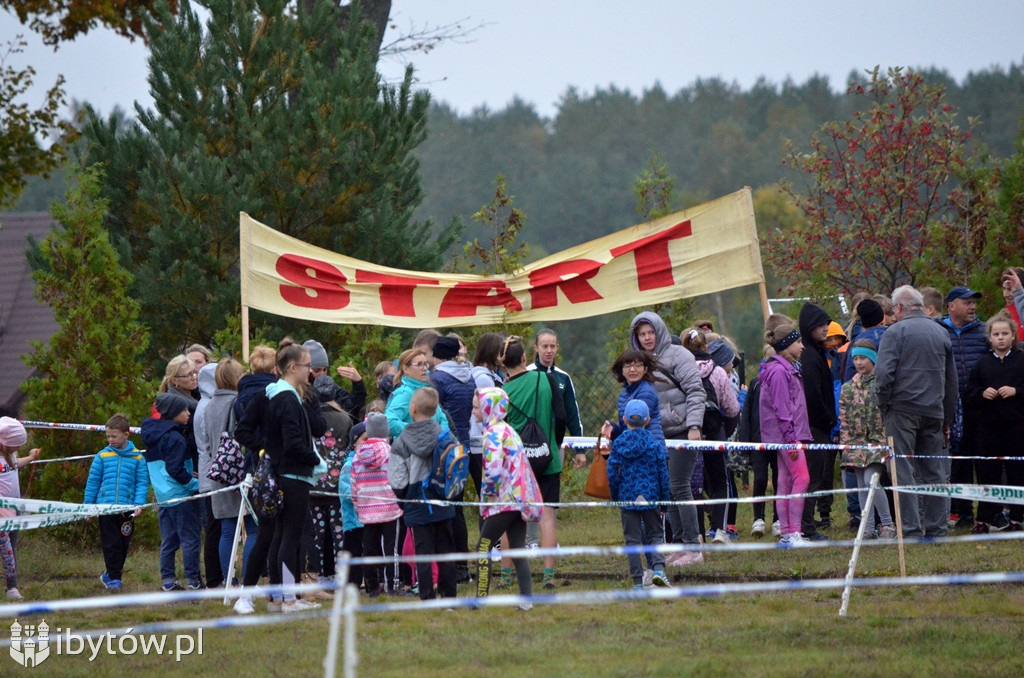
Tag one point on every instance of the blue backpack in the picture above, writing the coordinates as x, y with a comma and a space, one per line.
449, 469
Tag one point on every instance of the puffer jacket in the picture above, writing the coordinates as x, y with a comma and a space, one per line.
727, 400
637, 471
969, 343
117, 477
167, 460
372, 495
455, 387
680, 409
645, 391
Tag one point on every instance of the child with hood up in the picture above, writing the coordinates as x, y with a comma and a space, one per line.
509, 490
376, 504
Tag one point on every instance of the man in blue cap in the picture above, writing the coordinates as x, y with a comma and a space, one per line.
967, 334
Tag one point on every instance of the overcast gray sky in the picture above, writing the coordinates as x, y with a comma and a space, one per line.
536, 49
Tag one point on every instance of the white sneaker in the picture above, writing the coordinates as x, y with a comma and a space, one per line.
244, 605
776, 529
526, 607
273, 606
721, 537
796, 540
758, 528
687, 558
298, 605
14, 594
648, 580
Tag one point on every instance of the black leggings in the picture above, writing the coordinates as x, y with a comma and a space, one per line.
380, 539
286, 549
510, 522
761, 461
260, 555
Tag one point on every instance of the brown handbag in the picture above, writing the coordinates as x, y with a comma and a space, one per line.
597, 479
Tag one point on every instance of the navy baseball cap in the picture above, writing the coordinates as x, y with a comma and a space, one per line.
636, 412
962, 293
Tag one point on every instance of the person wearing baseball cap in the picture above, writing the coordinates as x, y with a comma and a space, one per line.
967, 334
638, 477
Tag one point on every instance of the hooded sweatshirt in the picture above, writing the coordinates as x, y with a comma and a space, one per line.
680, 408
412, 457
637, 471
117, 477
508, 483
372, 495
455, 387
216, 417
288, 436
207, 386
167, 460
817, 376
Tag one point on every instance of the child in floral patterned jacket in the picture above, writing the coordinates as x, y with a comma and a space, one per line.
509, 491
861, 424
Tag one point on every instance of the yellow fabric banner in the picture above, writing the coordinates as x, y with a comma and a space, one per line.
704, 249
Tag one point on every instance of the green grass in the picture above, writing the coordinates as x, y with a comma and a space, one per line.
891, 631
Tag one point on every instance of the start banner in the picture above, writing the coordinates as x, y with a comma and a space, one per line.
708, 248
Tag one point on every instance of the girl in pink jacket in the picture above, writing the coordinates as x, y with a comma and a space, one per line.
784, 420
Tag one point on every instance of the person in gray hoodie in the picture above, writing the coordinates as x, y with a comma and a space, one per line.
681, 402
411, 459
210, 525
216, 419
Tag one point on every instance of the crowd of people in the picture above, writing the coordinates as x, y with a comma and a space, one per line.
351, 472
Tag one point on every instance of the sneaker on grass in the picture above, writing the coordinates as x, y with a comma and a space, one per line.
244, 605
758, 528
658, 578
298, 605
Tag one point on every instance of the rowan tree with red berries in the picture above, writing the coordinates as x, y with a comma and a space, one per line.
878, 184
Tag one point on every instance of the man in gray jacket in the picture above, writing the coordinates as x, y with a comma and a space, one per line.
916, 390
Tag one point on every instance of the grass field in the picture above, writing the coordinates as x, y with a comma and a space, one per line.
895, 631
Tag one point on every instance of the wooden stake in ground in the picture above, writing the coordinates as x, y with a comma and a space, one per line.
896, 505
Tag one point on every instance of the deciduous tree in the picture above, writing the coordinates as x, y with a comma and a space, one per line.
876, 184
22, 127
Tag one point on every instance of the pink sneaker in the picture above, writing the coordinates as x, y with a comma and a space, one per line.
687, 558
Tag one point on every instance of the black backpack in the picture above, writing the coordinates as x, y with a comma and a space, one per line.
713, 420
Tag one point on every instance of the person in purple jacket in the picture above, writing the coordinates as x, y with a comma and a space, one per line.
784, 420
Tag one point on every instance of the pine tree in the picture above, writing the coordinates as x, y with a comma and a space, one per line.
277, 114
90, 369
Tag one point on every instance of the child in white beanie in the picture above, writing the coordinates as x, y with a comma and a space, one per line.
12, 436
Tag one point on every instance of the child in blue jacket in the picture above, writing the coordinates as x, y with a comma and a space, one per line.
638, 473
117, 476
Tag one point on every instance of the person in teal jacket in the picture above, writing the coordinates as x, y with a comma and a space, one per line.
412, 375
117, 476
170, 472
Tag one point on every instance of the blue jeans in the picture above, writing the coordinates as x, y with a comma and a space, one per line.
227, 535
179, 526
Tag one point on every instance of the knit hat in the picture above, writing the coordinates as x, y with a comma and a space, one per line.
721, 353
12, 433
636, 413
446, 348
354, 433
317, 353
871, 313
377, 426
325, 388
170, 405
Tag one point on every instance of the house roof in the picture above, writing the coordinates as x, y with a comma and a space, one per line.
22, 318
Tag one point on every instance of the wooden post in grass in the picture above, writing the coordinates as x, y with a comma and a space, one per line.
899, 515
